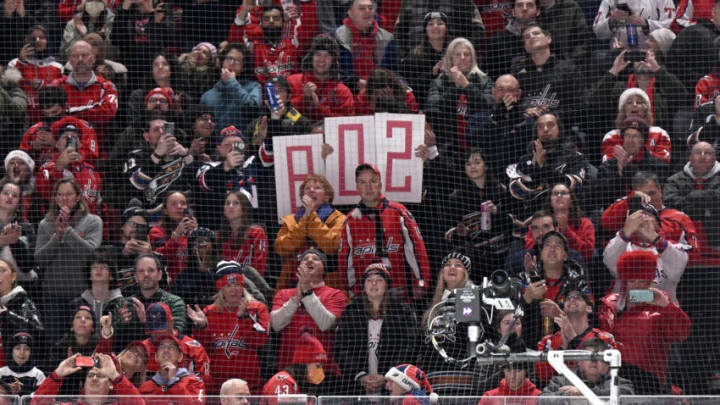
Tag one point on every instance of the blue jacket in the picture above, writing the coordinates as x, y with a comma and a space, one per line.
234, 103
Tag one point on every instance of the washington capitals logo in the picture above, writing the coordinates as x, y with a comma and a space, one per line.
231, 345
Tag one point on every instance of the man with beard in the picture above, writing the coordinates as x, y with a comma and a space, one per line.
274, 54
89, 97
665, 91
552, 160
148, 272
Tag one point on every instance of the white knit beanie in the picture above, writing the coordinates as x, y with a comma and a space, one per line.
22, 156
634, 91
664, 38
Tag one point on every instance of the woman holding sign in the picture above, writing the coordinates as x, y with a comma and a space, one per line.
461, 90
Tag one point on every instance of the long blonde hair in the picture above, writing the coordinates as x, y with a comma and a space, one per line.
440, 287
621, 113
452, 47
220, 301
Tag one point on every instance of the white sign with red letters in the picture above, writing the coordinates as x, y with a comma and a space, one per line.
396, 137
353, 142
296, 157
387, 141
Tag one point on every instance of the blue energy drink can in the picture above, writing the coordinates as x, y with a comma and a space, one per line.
271, 96
632, 35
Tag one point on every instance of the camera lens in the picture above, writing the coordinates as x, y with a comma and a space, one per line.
500, 281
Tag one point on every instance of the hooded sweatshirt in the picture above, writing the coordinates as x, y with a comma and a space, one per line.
528, 389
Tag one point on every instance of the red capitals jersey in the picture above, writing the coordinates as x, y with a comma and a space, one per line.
84, 174
44, 71
195, 358
336, 99
88, 140
233, 342
674, 225
281, 383
706, 89
270, 61
401, 243
96, 101
495, 14
304, 28
657, 144
252, 251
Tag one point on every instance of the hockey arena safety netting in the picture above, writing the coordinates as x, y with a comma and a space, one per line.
350, 197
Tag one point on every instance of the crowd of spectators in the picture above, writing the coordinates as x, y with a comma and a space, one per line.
571, 144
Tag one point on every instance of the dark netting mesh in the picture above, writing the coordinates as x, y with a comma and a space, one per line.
293, 194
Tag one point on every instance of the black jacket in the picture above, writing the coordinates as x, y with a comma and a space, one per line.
551, 85
573, 274
21, 316
399, 340
442, 107
693, 53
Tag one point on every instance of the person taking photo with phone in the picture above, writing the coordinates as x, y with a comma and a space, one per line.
69, 161
102, 379
645, 320
158, 166
234, 169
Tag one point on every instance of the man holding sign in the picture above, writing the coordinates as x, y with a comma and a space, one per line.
381, 230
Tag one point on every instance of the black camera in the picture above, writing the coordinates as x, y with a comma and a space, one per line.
497, 293
634, 56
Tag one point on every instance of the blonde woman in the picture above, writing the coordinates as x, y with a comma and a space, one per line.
234, 313
461, 90
449, 379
